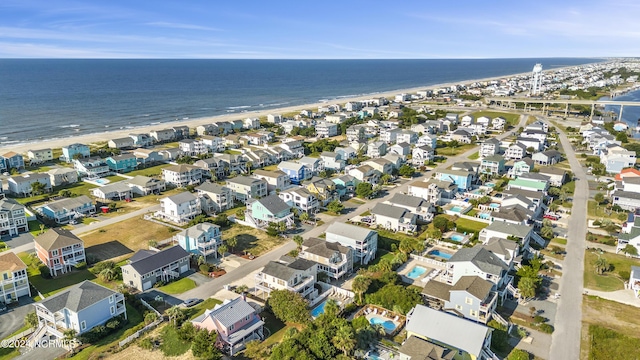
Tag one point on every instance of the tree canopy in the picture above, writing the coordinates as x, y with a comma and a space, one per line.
289, 306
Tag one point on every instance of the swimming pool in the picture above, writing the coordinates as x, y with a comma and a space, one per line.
388, 325
438, 253
101, 181
484, 216
456, 237
456, 209
319, 310
490, 184
494, 205
416, 272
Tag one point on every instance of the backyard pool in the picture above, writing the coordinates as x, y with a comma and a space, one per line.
319, 310
416, 272
456, 209
494, 205
101, 181
456, 237
484, 216
440, 254
490, 185
388, 325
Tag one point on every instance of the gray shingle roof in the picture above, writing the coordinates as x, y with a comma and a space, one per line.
349, 231
197, 230
119, 186
512, 229
474, 285
388, 211
10, 205
57, 238
182, 197
68, 203
481, 258
501, 247
182, 168
211, 188
420, 349
78, 297
273, 204
159, 259
436, 289
407, 200
286, 271
323, 248
140, 180
243, 180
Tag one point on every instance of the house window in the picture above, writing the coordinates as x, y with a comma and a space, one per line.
83, 325
468, 301
473, 313
112, 309
246, 318
458, 307
111, 298
54, 253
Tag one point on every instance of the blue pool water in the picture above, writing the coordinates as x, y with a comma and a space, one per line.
438, 253
102, 181
416, 272
484, 216
386, 324
456, 209
494, 205
490, 184
319, 310
456, 237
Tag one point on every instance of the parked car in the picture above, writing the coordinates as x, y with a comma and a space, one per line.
551, 217
191, 302
3, 307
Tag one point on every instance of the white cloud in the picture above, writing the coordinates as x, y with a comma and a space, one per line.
181, 26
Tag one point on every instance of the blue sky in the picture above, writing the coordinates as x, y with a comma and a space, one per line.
318, 29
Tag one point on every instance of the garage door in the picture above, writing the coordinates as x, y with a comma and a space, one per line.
184, 268
146, 285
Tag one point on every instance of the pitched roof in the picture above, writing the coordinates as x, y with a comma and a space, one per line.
211, 188
273, 204
231, 311
119, 186
180, 168
323, 248
57, 238
436, 289
291, 165
197, 230
244, 180
447, 329
77, 297
407, 200
286, 271
501, 247
140, 180
180, 198
513, 229
266, 173
349, 231
419, 349
7, 204
481, 258
494, 158
11, 262
157, 260
389, 211
474, 285
514, 213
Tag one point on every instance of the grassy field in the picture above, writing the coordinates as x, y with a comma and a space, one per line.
449, 151
199, 309
611, 280
172, 345
598, 212
470, 224
49, 287
252, 240
124, 237
512, 119
178, 286
474, 156
115, 178
609, 330
150, 171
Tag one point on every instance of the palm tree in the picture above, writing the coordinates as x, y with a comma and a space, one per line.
232, 242
304, 216
630, 250
601, 264
201, 260
345, 339
174, 313
107, 274
298, 240
360, 285
222, 249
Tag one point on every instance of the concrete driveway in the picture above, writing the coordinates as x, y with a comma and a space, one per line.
19, 240
14, 319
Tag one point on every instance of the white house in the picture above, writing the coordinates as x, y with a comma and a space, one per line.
182, 175
364, 242
179, 208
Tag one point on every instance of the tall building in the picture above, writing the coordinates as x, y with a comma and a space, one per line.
536, 80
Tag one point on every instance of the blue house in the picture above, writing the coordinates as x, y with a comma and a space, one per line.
345, 184
201, 239
11, 160
122, 163
297, 172
69, 151
462, 179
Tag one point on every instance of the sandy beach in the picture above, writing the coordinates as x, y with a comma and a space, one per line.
192, 123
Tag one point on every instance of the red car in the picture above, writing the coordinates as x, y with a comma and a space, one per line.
551, 217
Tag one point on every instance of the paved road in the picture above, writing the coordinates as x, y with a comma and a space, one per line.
209, 289
565, 342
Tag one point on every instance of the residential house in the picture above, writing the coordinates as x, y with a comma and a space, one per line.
422, 155
60, 250
256, 138
530, 182
335, 118
211, 167
201, 239
376, 149
429, 140
147, 267
332, 161
113, 191
534, 143
390, 135
276, 180
396, 160
415, 204
121, 143
462, 136
333, 259
251, 123
323, 189
214, 198
443, 329
516, 151
74, 151
148, 157
13, 217
345, 184
434, 191
383, 166
415, 348
182, 175
537, 197
489, 147
179, 208
141, 140
471, 297
462, 178
366, 173
631, 235
80, 308
180, 132
394, 218
634, 281
498, 123
364, 242
402, 148
515, 214
64, 210
207, 129
521, 167
615, 158
297, 172
407, 136
298, 276
14, 281
467, 120
92, 168
274, 118
62, 176
326, 129
244, 188
484, 121
356, 133
40, 156
23, 185
144, 185
547, 158
294, 147
539, 135
505, 230
301, 199
213, 143
190, 147
163, 135
538, 125
557, 176
492, 165
235, 321
270, 209
123, 163
346, 153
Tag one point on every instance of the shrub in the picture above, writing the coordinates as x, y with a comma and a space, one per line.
546, 328
113, 324
518, 354
81, 265
147, 343
204, 268
44, 271
539, 319
349, 308
624, 274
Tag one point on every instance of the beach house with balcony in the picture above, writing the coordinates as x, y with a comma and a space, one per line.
297, 172
191, 147
121, 143
489, 147
301, 199
462, 178
376, 149
276, 180
64, 210
437, 192
80, 308
141, 140
74, 151
492, 165
235, 321
147, 157
547, 158
394, 218
245, 188
515, 151
415, 204
13, 217
123, 163
270, 209
333, 259
147, 267
364, 242
60, 250
477, 261
20, 185
508, 230
201, 239
415, 348
182, 175
471, 297
298, 276
62, 176
144, 185
40, 156
521, 167
422, 155
179, 208
530, 182
469, 340
332, 160
92, 167
14, 281
180, 132
114, 191
163, 135
214, 198
323, 189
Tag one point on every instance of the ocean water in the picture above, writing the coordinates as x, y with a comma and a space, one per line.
43, 99
630, 114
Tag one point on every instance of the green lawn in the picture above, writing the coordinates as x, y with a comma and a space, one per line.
150, 171
34, 227
179, 286
270, 168
474, 156
470, 224
115, 178
609, 330
449, 151
611, 280
172, 345
199, 309
512, 119
49, 287
560, 241
599, 212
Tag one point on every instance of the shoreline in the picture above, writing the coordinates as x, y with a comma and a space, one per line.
23, 147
